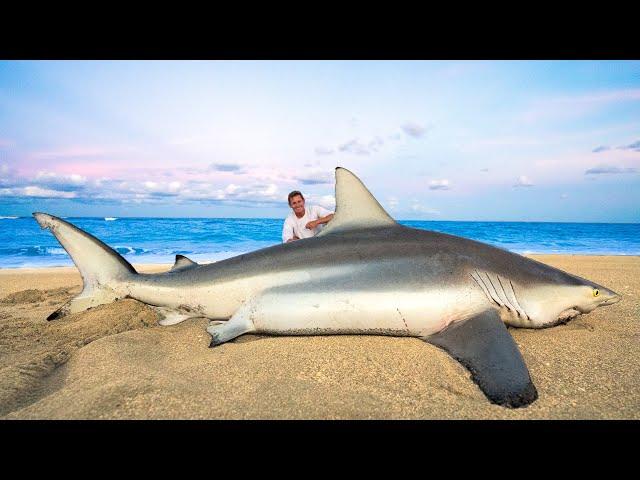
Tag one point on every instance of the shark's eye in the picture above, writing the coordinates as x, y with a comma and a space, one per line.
596, 292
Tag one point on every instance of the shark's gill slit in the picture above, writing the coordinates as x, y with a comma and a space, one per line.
483, 286
494, 294
476, 277
514, 301
515, 297
507, 303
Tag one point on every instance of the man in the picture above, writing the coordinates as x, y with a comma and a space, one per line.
303, 222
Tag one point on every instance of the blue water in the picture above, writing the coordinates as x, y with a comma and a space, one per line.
157, 240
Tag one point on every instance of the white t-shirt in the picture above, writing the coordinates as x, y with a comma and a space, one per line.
297, 226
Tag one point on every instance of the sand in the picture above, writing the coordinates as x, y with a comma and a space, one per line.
115, 362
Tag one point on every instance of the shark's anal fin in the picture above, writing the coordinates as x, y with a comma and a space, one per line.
484, 346
182, 263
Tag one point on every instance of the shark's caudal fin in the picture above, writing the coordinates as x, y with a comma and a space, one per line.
100, 266
356, 208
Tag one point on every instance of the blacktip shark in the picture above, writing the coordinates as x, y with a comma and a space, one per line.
363, 274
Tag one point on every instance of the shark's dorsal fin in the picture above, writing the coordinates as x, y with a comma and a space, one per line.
182, 262
356, 208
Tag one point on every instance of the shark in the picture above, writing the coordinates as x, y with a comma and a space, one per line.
364, 273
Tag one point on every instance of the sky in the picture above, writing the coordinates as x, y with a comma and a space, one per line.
432, 140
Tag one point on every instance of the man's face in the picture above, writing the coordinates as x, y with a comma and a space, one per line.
297, 204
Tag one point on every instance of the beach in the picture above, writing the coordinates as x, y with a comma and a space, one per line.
116, 362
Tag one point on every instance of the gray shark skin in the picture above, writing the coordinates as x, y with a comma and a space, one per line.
363, 274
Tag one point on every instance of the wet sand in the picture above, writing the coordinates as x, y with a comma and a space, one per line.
114, 361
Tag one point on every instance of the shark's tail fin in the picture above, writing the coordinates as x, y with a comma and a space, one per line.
101, 267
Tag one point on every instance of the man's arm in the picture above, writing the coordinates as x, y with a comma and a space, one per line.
322, 220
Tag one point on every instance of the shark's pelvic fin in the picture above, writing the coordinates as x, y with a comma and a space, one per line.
484, 346
173, 316
356, 208
100, 266
182, 263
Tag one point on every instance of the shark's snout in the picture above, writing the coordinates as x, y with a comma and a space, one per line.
614, 298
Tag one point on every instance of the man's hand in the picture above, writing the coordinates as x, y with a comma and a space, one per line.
321, 221
293, 239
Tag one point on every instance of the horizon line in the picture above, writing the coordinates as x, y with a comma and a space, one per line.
13, 217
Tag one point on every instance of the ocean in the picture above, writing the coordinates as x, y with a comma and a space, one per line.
157, 240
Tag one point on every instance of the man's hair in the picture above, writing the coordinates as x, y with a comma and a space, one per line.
295, 193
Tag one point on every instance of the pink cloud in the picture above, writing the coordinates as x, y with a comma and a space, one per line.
89, 169
70, 152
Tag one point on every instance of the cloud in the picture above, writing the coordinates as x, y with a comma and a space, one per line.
609, 169
393, 203
35, 191
60, 181
523, 181
232, 194
564, 195
323, 150
226, 167
414, 130
315, 176
439, 185
314, 181
601, 148
633, 146
356, 147
154, 188
326, 201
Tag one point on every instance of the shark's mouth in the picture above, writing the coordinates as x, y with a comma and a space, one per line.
568, 314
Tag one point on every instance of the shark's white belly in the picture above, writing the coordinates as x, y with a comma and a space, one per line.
392, 313
289, 303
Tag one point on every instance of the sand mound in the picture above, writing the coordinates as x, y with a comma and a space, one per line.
31, 349
24, 296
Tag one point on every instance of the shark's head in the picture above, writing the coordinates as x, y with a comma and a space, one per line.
564, 297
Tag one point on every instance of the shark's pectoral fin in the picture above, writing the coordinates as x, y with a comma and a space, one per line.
484, 346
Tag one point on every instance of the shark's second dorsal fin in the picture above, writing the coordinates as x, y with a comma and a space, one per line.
182, 262
356, 208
